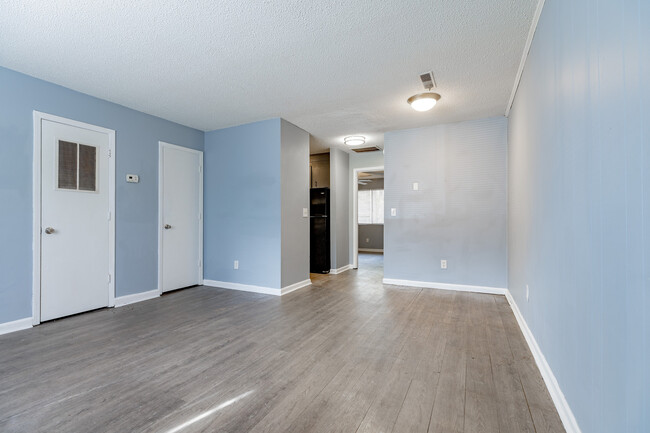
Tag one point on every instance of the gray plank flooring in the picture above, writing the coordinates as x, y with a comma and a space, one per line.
347, 354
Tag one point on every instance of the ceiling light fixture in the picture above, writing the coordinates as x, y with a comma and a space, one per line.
425, 101
354, 140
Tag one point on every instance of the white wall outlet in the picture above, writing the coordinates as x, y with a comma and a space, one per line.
305, 212
235, 265
132, 178
367, 240
416, 186
393, 211
527, 292
443, 264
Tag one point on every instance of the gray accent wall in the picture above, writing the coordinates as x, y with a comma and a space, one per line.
136, 207
295, 197
458, 213
579, 209
339, 208
371, 236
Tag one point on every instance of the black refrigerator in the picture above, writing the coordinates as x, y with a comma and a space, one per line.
319, 229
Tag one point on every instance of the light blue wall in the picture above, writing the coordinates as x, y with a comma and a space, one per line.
579, 210
137, 137
458, 213
339, 208
295, 198
242, 204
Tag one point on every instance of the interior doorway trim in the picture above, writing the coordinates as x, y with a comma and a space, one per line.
161, 190
355, 216
36, 207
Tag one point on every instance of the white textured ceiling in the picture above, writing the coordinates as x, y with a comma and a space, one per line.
333, 68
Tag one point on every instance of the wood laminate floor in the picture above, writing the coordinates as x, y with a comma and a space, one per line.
344, 355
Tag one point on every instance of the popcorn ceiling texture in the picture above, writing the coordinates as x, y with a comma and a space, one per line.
333, 68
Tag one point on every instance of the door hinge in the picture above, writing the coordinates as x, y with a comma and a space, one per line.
199, 263
110, 152
109, 215
109, 278
200, 168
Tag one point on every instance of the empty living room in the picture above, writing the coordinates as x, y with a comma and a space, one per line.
323, 216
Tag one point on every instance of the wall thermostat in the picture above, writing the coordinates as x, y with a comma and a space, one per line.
132, 178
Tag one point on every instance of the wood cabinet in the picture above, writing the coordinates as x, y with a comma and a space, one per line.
319, 170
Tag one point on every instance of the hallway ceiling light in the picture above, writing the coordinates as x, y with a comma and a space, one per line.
423, 101
354, 140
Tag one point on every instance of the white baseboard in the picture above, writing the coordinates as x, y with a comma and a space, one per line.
16, 325
296, 286
137, 297
340, 270
562, 406
257, 289
371, 250
243, 287
446, 286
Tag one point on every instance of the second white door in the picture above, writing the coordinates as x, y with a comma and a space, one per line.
181, 217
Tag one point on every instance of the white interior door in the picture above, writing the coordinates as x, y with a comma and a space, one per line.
75, 251
181, 208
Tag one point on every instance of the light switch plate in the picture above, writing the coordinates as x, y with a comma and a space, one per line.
236, 264
132, 178
393, 211
305, 212
416, 186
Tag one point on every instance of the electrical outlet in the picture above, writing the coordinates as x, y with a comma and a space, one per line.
527, 292
236, 264
443, 264
367, 240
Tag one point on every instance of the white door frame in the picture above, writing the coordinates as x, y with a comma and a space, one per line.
36, 206
161, 146
355, 216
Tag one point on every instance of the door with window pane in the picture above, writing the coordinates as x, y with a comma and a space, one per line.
75, 220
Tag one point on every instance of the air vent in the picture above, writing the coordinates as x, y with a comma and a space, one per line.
366, 149
427, 80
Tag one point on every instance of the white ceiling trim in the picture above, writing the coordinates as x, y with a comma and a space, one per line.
524, 56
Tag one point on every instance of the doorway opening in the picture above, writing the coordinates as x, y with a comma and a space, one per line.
368, 218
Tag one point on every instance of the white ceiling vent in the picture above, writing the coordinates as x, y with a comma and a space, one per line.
427, 80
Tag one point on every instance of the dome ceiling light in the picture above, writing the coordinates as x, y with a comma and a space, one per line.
427, 100
354, 140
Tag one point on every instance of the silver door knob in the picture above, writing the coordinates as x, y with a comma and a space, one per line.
49, 230
167, 226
